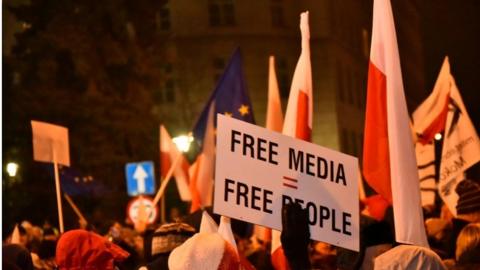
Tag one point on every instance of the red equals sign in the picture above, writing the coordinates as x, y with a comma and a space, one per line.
290, 182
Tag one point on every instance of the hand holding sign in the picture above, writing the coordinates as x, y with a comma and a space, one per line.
295, 235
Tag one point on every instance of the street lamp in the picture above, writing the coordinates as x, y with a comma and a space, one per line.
438, 136
12, 169
183, 142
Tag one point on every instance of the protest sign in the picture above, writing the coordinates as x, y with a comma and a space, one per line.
257, 171
50, 144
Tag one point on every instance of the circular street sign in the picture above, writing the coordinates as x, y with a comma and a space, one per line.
141, 208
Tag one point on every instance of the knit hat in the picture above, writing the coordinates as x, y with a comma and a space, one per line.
80, 249
169, 236
207, 251
468, 197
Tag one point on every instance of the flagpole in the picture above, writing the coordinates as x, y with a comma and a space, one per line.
74, 207
165, 181
162, 210
57, 187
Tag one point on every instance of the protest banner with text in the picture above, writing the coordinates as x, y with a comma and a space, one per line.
257, 171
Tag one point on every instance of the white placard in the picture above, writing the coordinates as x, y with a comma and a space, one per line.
257, 170
47, 139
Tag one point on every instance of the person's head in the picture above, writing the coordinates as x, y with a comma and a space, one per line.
159, 244
468, 204
207, 251
49, 234
323, 255
80, 249
468, 244
436, 228
16, 256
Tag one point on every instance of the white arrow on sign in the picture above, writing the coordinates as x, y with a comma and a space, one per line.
140, 174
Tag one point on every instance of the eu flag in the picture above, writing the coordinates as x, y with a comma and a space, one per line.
230, 97
75, 183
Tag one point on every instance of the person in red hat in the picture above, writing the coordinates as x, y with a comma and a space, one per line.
80, 249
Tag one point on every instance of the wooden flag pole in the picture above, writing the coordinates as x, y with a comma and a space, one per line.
162, 210
57, 186
74, 207
165, 181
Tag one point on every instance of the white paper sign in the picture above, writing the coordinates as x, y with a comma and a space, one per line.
258, 170
48, 138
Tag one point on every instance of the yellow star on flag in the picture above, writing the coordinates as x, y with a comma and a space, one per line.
229, 114
243, 110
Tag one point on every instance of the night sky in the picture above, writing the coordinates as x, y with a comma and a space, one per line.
453, 28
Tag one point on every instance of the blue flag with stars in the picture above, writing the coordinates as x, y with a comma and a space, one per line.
75, 183
230, 97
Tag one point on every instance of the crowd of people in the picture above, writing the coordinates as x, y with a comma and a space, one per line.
188, 243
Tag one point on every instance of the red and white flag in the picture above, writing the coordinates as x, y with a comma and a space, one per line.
298, 118
274, 122
274, 107
168, 154
430, 117
202, 170
389, 163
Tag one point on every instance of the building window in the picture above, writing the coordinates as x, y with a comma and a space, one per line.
353, 143
283, 77
365, 43
170, 91
341, 84
363, 92
349, 88
214, 14
158, 96
164, 19
278, 18
355, 90
168, 68
221, 13
218, 64
344, 141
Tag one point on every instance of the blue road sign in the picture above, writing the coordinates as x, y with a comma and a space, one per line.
140, 178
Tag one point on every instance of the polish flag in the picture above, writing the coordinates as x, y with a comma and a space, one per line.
389, 156
168, 154
298, 118
274, 122
202, 170
430, 117
274, 106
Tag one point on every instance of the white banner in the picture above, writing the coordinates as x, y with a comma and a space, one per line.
461, 148
257, 171
426, 172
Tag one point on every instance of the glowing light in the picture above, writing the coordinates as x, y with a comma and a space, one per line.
438, 136
12, 169
183, 142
